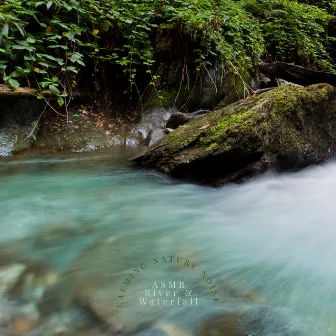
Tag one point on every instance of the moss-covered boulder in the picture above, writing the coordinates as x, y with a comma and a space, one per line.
287, 128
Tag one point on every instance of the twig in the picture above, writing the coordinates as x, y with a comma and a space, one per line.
244, 83
212, 80
31, 133
179, 90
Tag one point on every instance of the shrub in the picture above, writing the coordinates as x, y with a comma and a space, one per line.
293, 32
47, 42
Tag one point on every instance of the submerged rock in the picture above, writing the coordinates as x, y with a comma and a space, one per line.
57, 297
10, 276
222, 324
57, 234
116, 279
5, 317
71, 322
256, 321
99, 273
287, 128
10, 252
21, 325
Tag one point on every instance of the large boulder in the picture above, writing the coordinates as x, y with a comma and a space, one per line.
286, 129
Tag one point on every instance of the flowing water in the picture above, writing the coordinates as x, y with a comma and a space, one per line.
271, 239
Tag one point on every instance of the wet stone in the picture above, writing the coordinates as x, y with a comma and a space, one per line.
5, 317
9, 277
57, 235
226, 324
156, 135
132, 141
35, 276
67, 322
10, 252
254, 321
21, 325
57, 297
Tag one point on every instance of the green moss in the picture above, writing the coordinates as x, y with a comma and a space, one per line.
274, 120
287, 122
163, 99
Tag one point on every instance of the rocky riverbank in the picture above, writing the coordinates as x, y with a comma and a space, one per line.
85, 124
28, 124
287, 128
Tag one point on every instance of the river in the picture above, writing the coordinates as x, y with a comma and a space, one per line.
271, 240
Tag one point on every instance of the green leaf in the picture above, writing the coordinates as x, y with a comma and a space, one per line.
13, 83
20, 29
70, 35
58, 46
72, 68
19, 47
5, 29
44, 84
15, 74
53, 89
80, 62
44, 64
60, 101
30, 58
30, 40
105, 26
49, 4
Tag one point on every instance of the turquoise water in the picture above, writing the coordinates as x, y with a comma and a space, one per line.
267, 243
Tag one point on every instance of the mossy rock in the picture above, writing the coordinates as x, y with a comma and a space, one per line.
220, 87
287, 128
164, 99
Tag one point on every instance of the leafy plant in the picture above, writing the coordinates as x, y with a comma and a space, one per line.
47, 43
293, 32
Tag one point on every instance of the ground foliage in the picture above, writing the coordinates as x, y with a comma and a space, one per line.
50, 43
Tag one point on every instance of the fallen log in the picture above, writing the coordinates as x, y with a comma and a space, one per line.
7, 91
297, 74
